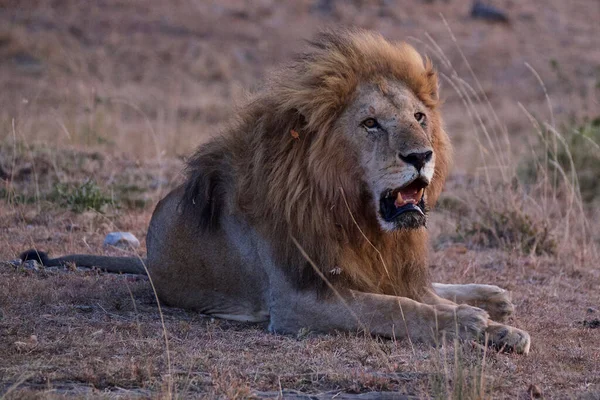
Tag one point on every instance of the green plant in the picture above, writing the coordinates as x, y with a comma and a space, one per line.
81, 197
584, 146
576, 156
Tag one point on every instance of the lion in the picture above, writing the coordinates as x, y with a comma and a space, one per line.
310, 210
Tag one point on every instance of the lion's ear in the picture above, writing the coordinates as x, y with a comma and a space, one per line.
435, 91
432, 81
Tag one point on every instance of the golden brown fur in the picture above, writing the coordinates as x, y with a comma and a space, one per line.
296, 187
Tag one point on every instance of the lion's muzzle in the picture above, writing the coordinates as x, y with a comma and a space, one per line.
408, 199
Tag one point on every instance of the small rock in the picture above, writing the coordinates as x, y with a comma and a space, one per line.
534, 391
122, 240
591, 310
488, 12
84, 308
31, 265
592, 324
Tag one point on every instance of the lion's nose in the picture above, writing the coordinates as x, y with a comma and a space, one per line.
418, 160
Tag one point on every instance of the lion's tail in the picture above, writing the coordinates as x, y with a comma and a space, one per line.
127, 265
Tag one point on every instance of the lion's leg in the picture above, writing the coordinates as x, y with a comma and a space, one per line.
390, 316
495, 300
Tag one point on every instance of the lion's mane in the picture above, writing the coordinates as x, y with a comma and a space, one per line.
285, 168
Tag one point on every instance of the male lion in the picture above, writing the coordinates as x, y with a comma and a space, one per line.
310, 211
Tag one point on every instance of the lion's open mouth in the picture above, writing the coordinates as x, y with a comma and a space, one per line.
409, 198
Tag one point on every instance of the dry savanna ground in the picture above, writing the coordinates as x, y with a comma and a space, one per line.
102, 101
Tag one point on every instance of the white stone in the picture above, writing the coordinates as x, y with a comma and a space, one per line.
121, 239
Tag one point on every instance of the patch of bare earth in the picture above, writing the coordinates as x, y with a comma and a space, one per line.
115, 92
95, 334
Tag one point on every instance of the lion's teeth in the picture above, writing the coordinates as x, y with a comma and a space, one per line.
399, 198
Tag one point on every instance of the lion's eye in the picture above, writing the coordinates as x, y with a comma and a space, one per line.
370, 123
420, 117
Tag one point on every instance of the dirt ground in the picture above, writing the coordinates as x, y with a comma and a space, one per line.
116, 93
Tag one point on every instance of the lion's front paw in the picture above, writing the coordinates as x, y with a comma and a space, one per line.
472, 321
508, 339
466, 321
496, 302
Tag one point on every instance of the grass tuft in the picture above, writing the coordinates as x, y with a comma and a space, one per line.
579, 152
460, 372
508, 229
82, 197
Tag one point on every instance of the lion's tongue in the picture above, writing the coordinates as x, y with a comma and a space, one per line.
408, 196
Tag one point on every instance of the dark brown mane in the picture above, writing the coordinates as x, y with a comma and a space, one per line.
285, 168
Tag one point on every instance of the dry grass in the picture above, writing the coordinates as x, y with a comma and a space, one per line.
116, 92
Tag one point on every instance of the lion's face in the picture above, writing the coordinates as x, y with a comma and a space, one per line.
392, 134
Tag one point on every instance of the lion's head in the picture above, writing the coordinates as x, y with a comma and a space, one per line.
390, 129
369, 106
